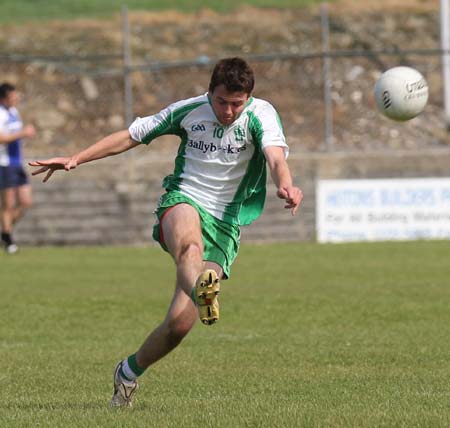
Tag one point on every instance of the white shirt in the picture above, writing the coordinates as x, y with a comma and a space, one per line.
222, 168
10, 122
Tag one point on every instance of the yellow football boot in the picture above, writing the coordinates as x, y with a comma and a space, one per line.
207, 288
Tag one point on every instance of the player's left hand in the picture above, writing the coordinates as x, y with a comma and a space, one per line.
293, 197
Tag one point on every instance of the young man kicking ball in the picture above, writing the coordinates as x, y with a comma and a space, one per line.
218, 184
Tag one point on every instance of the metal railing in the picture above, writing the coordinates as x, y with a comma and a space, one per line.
121, 65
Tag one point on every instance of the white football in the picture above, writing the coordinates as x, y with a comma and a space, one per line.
401, 93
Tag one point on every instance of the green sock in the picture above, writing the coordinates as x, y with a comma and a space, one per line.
132, 363
130, 369
193, 296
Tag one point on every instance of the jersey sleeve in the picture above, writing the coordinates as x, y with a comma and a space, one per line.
267, 129
146, 129
166, 122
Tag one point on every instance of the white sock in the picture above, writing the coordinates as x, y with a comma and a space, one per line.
130, 376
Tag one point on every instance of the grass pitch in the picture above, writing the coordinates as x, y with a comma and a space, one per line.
26, 10
310, 336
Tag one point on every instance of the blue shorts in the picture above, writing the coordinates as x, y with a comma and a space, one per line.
12, 176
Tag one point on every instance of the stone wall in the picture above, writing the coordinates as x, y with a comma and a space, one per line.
112, 201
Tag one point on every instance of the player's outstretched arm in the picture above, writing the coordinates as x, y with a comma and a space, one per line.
282, 178
113, 144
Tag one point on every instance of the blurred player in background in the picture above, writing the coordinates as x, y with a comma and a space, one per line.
15, 192
218, 184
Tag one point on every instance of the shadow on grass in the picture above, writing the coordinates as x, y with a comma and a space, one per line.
103, 405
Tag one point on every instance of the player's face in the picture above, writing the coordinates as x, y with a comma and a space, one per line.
227, 105
11, 99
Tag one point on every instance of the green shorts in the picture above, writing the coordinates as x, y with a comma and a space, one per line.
220, 239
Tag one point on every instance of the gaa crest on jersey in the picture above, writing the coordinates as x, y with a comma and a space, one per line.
198, 127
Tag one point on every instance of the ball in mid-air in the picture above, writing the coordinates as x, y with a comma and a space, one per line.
401, 93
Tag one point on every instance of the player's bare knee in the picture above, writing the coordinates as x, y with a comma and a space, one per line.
8, 207
26, 204
177, 329
190, 251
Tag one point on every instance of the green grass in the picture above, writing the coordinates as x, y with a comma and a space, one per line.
310, 336
22, 10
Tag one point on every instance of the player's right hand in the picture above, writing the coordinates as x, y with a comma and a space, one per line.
53, 164
29, 131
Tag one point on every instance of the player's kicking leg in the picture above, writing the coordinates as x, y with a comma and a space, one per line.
182, 236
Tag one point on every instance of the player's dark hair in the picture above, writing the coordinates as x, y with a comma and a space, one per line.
5, 89
235, 74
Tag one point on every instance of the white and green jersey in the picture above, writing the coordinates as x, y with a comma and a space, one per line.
222, 168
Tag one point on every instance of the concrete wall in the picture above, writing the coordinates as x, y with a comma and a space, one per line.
112, 201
